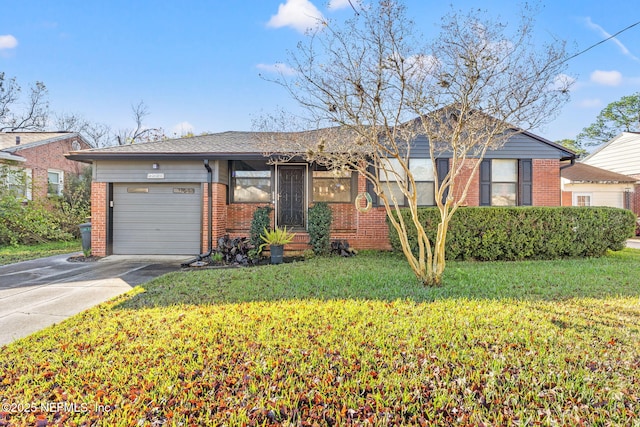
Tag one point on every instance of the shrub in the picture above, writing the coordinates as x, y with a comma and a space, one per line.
46, 219
516, 233
261, 220
33, 222
320, 217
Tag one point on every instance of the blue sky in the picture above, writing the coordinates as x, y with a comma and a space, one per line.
196, 64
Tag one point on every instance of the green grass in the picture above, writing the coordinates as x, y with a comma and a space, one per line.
11, 254
351, 341
387, 277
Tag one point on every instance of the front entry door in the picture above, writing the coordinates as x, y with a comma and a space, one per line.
291, 196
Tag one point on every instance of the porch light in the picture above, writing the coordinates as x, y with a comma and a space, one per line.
155, 166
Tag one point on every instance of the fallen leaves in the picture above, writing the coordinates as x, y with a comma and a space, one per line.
347, 362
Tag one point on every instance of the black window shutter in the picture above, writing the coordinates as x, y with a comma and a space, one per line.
485, 183
442, 168
370, 190
526, 182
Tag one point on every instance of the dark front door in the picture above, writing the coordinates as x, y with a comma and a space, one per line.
291, 197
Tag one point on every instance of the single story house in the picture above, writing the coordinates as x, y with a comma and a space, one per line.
586, 185
154, 198
41, 155
621, 155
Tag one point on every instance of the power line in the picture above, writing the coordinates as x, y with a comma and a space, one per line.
600, 42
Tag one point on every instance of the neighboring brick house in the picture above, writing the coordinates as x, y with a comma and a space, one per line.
621, 155
153, 198
41, 155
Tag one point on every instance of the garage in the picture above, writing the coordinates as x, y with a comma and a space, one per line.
157, 219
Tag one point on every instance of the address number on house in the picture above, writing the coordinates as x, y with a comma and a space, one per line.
183, 190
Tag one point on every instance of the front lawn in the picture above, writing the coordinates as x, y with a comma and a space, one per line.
11, 254
353, 341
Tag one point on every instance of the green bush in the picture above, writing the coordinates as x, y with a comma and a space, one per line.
43, 220
32, 222
261, 220
320, 217
516, 233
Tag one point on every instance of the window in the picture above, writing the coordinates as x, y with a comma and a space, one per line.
250, 182
506, 182
332, 186
582, 199
392, 176
55, 183
422, 171
17, 181
423, 175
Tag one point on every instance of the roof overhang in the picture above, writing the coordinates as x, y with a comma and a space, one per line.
11, 157
92, 157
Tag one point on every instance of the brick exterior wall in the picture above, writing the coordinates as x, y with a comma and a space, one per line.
546, 182
43, 157
363, 230
219, 214
99, 218
473, 195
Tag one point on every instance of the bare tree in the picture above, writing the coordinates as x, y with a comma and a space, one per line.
140, 133
30, 115
96, 134
375, 89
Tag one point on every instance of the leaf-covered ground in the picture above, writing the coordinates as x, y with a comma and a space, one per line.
332, 361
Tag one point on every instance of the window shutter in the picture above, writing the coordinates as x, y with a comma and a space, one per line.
485, 183
370, 190
526, 182
442, 169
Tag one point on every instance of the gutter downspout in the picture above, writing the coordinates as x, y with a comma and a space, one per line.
209, 196
210, 217
573, 162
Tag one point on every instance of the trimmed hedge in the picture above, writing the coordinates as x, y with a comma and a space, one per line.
320, 217
517, 233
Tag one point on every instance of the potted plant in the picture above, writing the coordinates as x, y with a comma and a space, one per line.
276, 239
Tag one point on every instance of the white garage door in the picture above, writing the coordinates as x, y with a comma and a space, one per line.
157, 219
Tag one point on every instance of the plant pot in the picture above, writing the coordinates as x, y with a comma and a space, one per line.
276, 253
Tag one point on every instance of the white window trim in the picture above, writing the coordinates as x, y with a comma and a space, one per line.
574, 202
60, 181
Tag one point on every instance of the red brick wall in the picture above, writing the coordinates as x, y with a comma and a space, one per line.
99, 218
362, 230
546, 182
473, 195
219, 214
567, 198
49, 156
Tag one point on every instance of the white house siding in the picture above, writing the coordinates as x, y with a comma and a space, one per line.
621, 155
601, 194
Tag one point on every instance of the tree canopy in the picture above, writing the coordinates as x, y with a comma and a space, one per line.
619, 116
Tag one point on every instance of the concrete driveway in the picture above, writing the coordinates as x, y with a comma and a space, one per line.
634, 243
38, 293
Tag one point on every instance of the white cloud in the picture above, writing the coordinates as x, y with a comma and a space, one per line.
590, 103
607, 78
182, 129
301, 15
8, 42
342, 4
278, 68
592, 25
563, 82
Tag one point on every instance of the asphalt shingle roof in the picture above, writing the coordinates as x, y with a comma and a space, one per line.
581, 172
